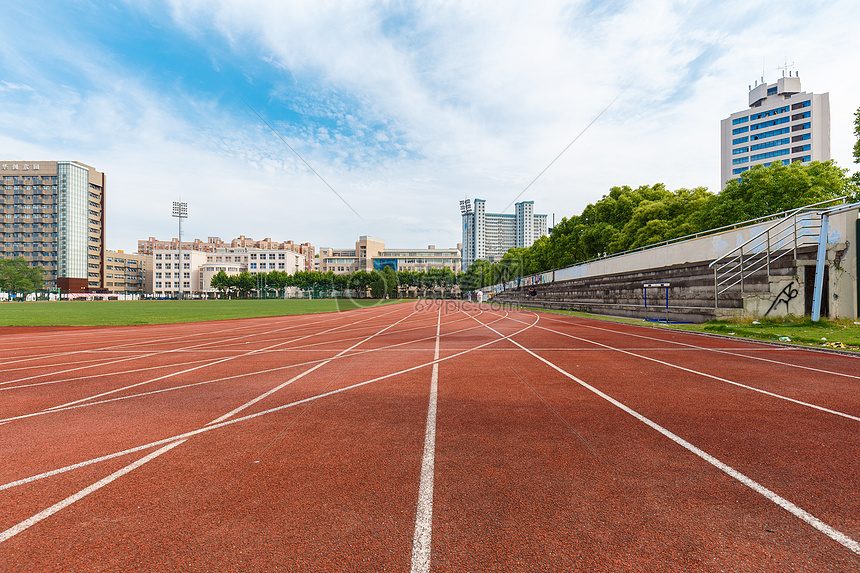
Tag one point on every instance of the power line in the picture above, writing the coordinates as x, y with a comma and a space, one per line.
302, 158
562, 152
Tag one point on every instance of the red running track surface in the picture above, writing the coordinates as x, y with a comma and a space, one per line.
547, 443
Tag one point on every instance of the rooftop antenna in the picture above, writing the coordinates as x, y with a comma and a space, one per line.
787, 66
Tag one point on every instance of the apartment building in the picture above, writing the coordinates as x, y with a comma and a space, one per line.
213, 244
53, 215
128, 273
192, 275
782, 123
489, 236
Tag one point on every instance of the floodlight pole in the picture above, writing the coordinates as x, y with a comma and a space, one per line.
180, 211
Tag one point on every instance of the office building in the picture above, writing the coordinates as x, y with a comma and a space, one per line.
489, 236
53, 215
782, 123
345, 261
128, 273
370, 254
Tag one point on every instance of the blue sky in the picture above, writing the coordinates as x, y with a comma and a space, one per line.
404, 108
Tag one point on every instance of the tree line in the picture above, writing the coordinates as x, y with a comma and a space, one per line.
628, 218
376, 284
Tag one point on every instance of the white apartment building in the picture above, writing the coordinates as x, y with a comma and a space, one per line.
782, 123
489, 236
173, 276
199, 267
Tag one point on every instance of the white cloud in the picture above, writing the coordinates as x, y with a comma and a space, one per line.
405, 108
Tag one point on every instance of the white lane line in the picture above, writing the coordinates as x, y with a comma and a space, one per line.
706, 375
421, 541
725, 351
29, 522
205, 429
798, 512
262, 396
194, 347
233, 377
214, 363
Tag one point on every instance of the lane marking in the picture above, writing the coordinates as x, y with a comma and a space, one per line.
706, 375
214, 363
230, 422
262, 396
33, 520
233, 377
798, 512
421, 541
725, 351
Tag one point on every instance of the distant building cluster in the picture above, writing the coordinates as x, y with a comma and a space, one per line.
489, 236
53, 215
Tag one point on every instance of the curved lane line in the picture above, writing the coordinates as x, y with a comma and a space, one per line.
798, 512
230, 422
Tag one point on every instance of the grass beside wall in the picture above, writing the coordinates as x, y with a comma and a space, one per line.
844, 334
114, 312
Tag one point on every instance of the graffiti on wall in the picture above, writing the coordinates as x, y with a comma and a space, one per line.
786, 295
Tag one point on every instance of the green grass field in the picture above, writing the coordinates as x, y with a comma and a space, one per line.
112, 312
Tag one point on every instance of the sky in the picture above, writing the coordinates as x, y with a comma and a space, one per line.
327, 120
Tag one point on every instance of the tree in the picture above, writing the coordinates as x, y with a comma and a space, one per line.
220, 281
767, 190
857, 135
16, 275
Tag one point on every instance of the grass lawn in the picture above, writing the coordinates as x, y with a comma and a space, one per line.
844, 334
115, 312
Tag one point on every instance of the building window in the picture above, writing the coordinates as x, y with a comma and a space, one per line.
803, 115
740, 140
768, 155
740, 160
735, 131
740, 150
799, 105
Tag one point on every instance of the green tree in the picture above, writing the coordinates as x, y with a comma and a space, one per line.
220, 281
767, 190
16, 275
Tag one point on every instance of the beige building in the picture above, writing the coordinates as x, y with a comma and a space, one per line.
782, 123
213, 244
53, 215
345, 261
427, 259
370, 254
128, 273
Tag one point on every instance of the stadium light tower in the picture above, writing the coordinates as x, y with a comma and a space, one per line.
180, 211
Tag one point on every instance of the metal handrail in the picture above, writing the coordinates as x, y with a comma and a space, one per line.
782, 219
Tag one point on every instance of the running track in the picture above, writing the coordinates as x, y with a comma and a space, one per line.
435, 438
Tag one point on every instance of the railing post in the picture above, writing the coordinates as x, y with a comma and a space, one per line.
767, 255
742, 271
716, 288
795, 236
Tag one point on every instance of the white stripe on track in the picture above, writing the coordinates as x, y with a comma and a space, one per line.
730, 353
705, 374
262, 396
421, 541
233, 377
205, 429
221, 361
31, 521
798, 512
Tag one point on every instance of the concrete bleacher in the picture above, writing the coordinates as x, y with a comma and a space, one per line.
691, 291
613, 285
